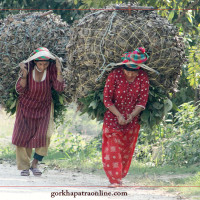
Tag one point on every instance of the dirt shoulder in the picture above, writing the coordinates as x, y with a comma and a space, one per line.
63, 182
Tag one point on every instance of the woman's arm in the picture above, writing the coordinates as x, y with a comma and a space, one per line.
59, 71
116, 112
56, 76
108, 98
143, 97
23, 81
21, 84
134, 113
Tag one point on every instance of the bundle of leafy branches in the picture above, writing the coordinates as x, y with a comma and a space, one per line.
157, 106
58, 101
101, 37
20, 35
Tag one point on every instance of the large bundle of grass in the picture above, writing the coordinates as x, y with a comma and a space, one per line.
20, 35
101, 37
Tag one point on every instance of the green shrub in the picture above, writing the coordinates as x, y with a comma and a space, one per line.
177, 138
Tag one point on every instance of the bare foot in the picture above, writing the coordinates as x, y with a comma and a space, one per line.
34, 163
34, 169
114, 185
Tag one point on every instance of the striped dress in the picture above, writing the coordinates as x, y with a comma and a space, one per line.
33, 111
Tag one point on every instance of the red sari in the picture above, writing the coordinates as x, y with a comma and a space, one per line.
34, 106
119, 140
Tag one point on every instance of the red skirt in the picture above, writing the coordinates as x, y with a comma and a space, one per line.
117, 152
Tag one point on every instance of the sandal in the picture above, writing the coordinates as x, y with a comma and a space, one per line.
36, 171
25, 172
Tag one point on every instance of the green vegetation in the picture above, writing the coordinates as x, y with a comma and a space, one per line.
175, 141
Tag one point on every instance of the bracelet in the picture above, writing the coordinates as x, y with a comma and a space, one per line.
59, 73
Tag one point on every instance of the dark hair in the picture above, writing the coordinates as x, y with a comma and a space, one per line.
32, 62
50, 60
128, 68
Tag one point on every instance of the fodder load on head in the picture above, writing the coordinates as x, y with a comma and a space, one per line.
101, 37
20, 35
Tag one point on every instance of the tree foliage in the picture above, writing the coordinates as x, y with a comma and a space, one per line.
66, 8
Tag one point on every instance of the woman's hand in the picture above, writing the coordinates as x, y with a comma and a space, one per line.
23, 69
121, 120
130, 118
59, 70
134, 113
58, 64
119, 116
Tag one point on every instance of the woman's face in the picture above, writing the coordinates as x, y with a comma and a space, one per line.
130, 74
42, 65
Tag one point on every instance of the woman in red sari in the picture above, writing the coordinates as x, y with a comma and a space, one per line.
34, 117
125, 96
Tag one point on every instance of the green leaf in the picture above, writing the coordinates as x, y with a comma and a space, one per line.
145, 115
171, 15
175, 107
13, 104
158, 114
61, 99
59, 1
189, 17
93, 104
157, 105
167, 105
101, 96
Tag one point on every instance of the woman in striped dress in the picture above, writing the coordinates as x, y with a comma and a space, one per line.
125, 96
34, 118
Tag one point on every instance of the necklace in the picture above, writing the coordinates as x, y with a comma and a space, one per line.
37, 69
